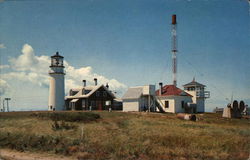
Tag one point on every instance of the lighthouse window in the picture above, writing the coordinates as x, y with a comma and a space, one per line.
57, 61
93, 103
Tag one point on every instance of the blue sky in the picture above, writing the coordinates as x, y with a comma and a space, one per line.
129, 41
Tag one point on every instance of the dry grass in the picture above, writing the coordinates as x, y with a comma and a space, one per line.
119, 135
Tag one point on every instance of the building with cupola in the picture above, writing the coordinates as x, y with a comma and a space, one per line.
199, 94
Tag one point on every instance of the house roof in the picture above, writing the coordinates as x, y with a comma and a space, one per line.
74, 100
193, 83
172, 90
91, 89
133, 93
86, 88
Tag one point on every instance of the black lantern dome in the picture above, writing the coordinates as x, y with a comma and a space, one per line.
57, 60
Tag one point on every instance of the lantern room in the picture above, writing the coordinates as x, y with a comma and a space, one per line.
57, 60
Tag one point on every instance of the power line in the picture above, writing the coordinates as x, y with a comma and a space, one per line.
201, 74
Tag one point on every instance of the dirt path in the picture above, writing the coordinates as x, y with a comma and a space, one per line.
7, 154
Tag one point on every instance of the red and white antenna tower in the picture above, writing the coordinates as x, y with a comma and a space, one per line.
174, 49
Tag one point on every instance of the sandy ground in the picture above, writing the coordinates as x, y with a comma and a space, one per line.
7, 154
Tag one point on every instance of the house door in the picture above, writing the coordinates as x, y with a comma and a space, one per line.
99, 105
83, 104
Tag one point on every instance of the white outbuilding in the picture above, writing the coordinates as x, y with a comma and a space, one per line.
172, 99
140, 98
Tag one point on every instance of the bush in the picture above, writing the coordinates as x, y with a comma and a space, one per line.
62, 125
69, 116
28, 142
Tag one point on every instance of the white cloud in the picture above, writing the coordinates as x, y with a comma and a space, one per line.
77, 75
27, 61
4, 66
2, 46
4, 87
34, 69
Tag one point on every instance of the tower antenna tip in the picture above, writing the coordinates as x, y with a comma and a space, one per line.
174, 19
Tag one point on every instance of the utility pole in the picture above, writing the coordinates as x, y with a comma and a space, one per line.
3, 106
249, 7
174, 49
1, 110
8, 99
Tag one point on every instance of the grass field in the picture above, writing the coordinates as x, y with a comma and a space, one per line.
117, 135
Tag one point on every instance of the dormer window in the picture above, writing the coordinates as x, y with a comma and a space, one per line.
97, 93
104, 94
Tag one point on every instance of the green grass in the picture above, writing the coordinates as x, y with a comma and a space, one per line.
117, 135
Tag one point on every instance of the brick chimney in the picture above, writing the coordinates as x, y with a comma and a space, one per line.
160, 88
84, 83
95, 79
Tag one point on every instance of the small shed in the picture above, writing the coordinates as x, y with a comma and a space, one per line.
139, 98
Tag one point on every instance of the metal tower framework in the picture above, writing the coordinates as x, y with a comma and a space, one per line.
174, 49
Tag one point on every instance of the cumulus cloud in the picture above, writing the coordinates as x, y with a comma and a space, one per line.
27, 61
4, 87
2, 46
4, 66
31, 68
75, 76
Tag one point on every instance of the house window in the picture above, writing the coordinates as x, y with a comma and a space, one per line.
83, 103
166, 104
93, 103
104, 94
182, 104
97, 93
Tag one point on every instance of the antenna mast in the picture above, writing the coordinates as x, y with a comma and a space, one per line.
174, 49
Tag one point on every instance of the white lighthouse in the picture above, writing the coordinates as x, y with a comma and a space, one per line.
56, 89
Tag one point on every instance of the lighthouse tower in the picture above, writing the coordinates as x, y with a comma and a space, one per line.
56, 89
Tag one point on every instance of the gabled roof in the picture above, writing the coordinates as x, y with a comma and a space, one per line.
172, 90
193, 84
91, 89
133, 93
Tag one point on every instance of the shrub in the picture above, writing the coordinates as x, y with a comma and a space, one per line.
69, 116
31, 142
62, 125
